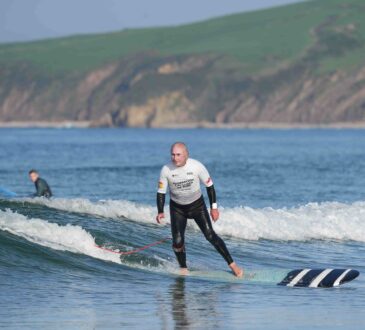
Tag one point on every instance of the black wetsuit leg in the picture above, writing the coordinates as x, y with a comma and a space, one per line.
202, 219
178, 226
197, 211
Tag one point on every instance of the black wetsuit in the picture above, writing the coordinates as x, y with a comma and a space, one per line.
42, 188
197, 211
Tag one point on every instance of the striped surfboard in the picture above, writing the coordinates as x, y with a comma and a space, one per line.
318, 278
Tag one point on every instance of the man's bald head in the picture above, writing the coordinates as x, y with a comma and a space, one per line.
180, 145
179, 153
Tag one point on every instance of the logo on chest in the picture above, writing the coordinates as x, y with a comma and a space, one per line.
176, 175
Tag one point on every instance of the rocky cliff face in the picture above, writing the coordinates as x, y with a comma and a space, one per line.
151, 91
307, 99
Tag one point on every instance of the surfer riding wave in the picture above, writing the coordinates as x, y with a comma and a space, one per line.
183, 176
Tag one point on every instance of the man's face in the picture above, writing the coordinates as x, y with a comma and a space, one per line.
179, 155
33, 176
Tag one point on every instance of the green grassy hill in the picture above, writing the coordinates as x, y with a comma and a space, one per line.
251, 53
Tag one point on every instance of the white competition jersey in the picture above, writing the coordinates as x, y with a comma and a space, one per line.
184, 181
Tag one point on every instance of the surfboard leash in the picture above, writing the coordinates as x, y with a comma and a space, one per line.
135, 250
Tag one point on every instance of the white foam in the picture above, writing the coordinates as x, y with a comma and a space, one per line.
65, 238
114, 209
71, 238
329, 221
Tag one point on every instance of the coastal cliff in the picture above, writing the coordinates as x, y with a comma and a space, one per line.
297, 64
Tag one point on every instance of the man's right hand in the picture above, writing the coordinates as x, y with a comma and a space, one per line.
159, 217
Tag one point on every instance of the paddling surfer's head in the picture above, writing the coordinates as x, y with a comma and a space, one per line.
33, 175
179, 154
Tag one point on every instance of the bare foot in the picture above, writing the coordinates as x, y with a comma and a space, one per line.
184, 271
237, 271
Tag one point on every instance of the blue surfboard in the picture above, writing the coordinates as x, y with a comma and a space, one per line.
7, 193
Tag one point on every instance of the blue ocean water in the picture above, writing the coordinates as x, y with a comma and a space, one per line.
289, 199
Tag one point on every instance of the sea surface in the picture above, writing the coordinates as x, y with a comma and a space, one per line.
288, 199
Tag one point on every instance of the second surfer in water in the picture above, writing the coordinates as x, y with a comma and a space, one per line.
41, 185
183, 176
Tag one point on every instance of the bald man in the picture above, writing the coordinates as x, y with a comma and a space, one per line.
183, 176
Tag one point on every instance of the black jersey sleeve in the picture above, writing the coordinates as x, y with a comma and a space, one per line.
160, 199
211, 195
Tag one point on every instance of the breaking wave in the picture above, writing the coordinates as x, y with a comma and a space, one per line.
321, 221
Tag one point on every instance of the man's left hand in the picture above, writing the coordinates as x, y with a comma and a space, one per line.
214, 213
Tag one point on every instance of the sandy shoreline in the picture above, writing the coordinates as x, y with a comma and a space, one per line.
258, 125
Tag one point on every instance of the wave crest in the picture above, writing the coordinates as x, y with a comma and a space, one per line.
323, 221
65, 238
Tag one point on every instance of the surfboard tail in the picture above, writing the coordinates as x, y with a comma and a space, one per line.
319, 278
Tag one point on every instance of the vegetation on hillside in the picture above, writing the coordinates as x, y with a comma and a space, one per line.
251, 54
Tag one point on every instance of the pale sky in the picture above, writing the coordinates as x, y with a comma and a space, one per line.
23, 20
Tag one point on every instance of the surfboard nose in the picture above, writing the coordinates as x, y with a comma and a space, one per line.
323, 278
351, 275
